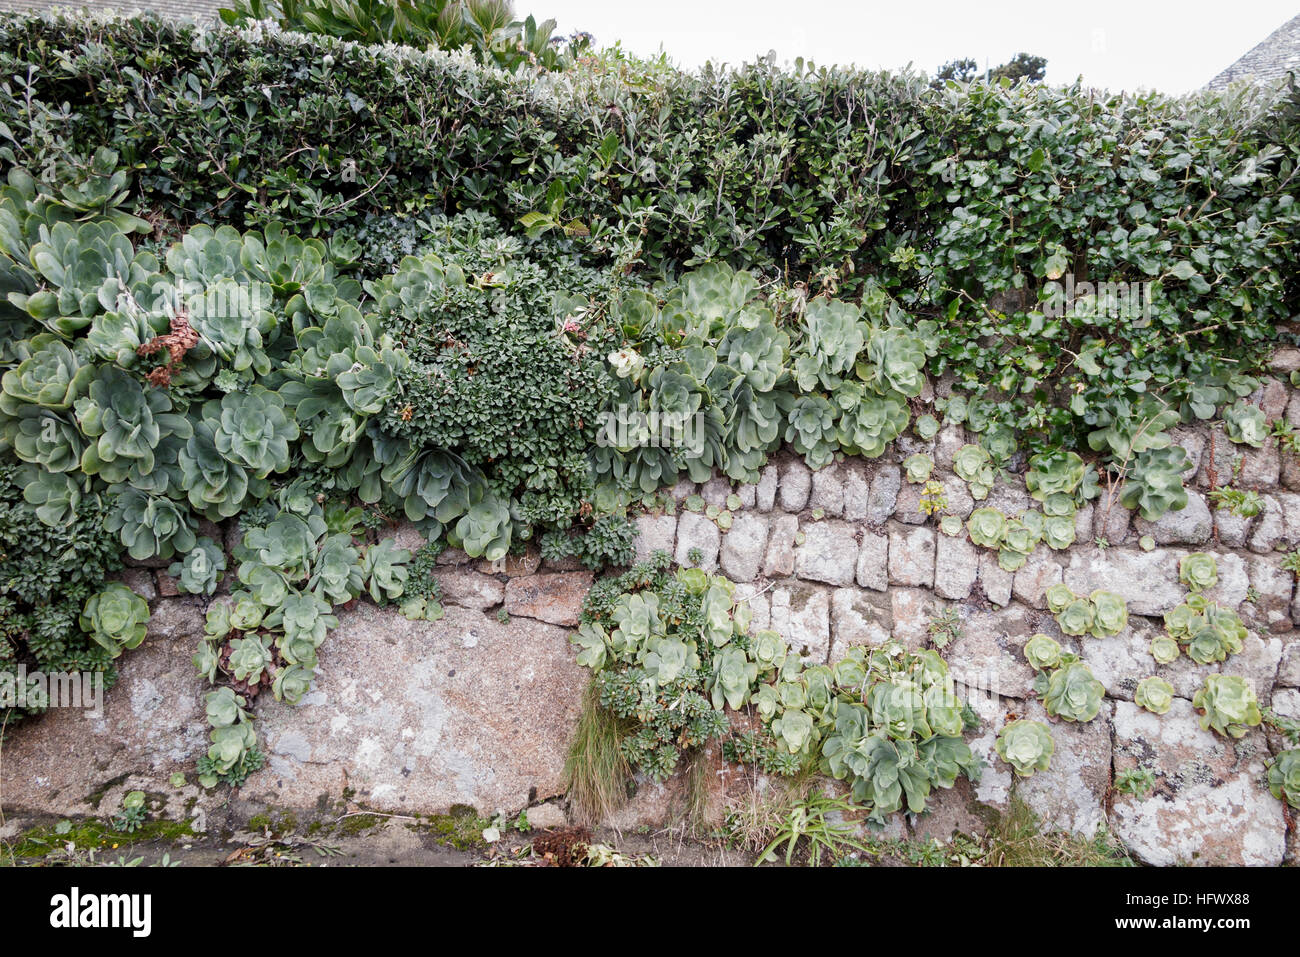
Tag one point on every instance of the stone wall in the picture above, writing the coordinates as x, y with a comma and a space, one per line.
478, 708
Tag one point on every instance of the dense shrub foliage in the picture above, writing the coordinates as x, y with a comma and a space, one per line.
487, 28
964, 203
315, 286
46, 577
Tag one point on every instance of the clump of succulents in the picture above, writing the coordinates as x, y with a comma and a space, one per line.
1060, 479
1198, 571
885, 720
1207, 631
1245, 424
1100, 614
200, 571
1227, 704
1154, 483
1154, 694
1164, 649
1027, 746
116, 618
1019, 538
918, 468
1110, 613
974, 466
986, 526
1284, 777
1042, 652
1070, 691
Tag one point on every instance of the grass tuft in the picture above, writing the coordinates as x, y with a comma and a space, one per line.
596, 773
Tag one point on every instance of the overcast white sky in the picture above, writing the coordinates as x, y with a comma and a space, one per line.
1174, 47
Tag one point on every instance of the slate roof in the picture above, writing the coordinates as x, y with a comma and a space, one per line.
202, 11
1267, 64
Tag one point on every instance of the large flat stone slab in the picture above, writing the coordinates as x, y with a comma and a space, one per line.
71, 761
1210, 804
418, 716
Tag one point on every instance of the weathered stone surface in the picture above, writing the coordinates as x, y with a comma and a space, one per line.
956, 565
911, 556
765, 494
858, 618
1286, 702
910, 609
1191, 525
168, 587
994, 581
1040, 571
546, 816
405, 535
530, 562
696, 531
1275, 586
177, 618
1148, 581
884, 492
947, 443
418, 716
873, 561
715, 491
1271, 396
1269, 527
1234, 578
470, 589
988, 654
1290, 504
748, 495
994, 788
1260, 468
743, 547
1288, 673
684, 489
801, 615
949, 811
907, 507
554, 598
1285, 360
655, 804
1232, 530
140, 581
957, 493
1009, 497
857, 491
79, 761
829, 553
760, 605
1121, 661
780, 547
1111, 521
1209, 805
655, 533
796, 485
1071, 794
1083, 523
453, 556
827, 491
1192, 441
